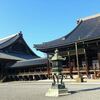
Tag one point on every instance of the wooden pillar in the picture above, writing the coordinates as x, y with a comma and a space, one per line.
70, 69
68, 57
86, 61
48, 67
98, 54
77, 60
99, 59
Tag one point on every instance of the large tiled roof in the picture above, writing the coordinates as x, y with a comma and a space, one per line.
31, 62
87, 29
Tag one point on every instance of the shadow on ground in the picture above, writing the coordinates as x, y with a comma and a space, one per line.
84, 90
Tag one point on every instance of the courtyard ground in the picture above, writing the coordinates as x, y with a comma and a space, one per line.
37, 90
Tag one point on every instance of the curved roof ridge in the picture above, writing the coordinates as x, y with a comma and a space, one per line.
63, 38
73, 30
90, 17
5, 39
8, 40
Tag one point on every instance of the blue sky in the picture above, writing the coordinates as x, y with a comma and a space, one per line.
43, 20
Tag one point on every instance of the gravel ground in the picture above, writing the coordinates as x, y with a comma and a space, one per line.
31, 91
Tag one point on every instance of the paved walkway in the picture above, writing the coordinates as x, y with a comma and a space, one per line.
34, 91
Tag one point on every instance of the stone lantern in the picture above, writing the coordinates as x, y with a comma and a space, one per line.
58, 86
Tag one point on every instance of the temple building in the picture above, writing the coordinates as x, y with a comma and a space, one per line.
19, 62
81, 48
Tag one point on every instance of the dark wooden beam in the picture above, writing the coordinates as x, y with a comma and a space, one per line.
77, 60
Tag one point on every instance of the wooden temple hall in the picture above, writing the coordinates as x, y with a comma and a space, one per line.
81, 48
18, 62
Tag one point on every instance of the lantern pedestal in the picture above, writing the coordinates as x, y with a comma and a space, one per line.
57, 90
79, 79
58, 86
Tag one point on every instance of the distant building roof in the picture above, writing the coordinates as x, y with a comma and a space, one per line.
4, 42
10, 57
21, 56
9, 41
31, 62
87, 29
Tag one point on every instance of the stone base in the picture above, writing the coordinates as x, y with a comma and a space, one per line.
79, 79
57, 90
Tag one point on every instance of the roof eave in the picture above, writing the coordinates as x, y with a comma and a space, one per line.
67, 44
